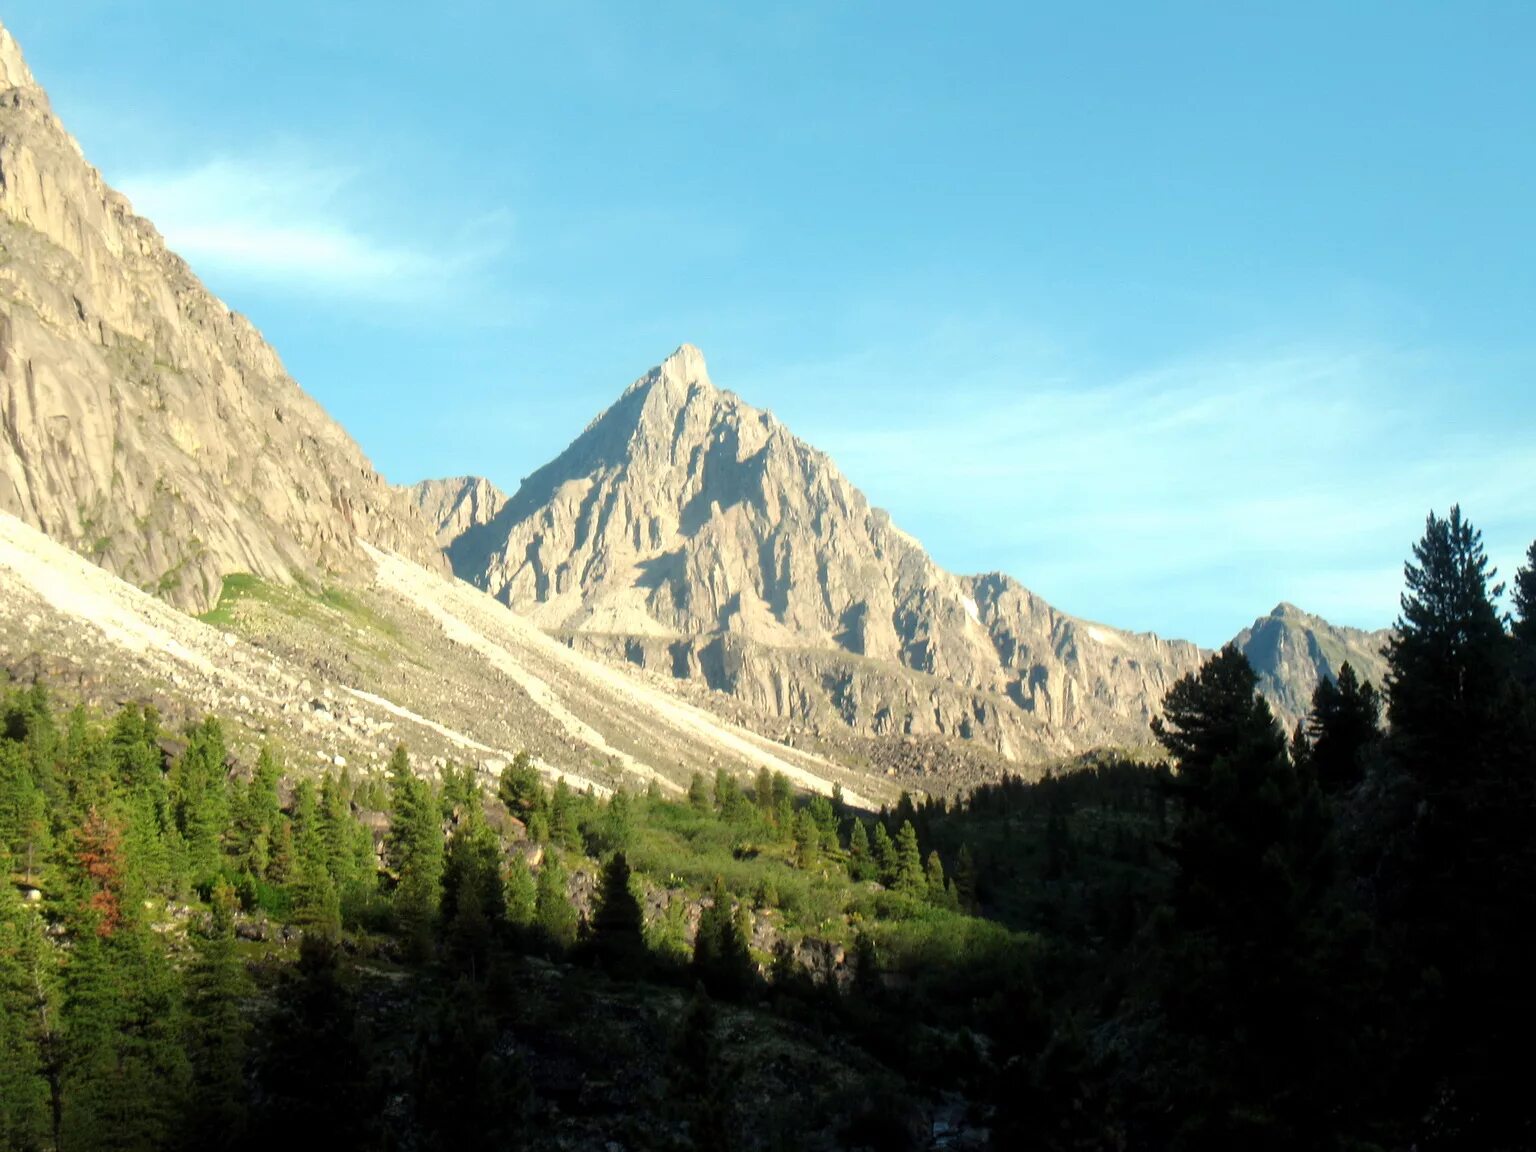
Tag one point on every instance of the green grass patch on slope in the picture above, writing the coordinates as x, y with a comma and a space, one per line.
303, 600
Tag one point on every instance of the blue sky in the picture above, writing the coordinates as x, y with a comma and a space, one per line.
1171, 311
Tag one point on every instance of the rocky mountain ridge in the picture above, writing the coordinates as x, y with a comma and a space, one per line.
686, 530
1292, 650
143, 422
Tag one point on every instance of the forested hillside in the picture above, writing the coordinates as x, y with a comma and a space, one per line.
1319, 939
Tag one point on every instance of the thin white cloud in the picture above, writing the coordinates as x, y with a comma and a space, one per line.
1190, 498
299, 223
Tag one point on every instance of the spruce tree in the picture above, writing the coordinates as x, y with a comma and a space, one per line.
554, 915
1342, 728
1253, 859
619, 825
1524, 597
564, 828
256, 815
26, 979
721, 956
884, 854
909, 861
24, 824
858, 851
1459, 867
474, 900
965, 880
414, 851
315, 1076
199, 799
520, 788
1447, 653
618, 926
933, 874
216, 1028
316, 903
807, 839
124, 1074
521, 893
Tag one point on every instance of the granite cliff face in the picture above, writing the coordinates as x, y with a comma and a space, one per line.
688, 531
456, 505
142, 422
1292, 651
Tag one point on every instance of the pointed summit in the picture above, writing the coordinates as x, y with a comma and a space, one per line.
676, 375
14, 72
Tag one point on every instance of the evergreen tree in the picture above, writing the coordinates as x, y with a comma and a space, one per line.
807, 839
702, 1082
473, 900
314, 1079
1447, 653
698, 792
824, 816
762, 791
728, 798
564, 829
25, 984
965, 880
721, 956
520, 788
521, 893
618, 926
859, 864
338, 832
1460, 867
216, 1028
24, 825
884, 854
414, 850
256, 815
199, 799
619, 827
1343, 726
1253, 859
933, 874
124, 1074
909, 861
1524, 596
553, 913
316, 903
866, 967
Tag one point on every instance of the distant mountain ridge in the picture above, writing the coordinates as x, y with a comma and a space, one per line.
141, 421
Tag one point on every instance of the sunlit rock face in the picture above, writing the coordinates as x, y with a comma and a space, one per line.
688, 531
141, 421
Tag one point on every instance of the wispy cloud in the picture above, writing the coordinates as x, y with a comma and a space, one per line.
1192, 497
299, 223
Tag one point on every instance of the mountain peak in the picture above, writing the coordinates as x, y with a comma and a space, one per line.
14, 72
678, 373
